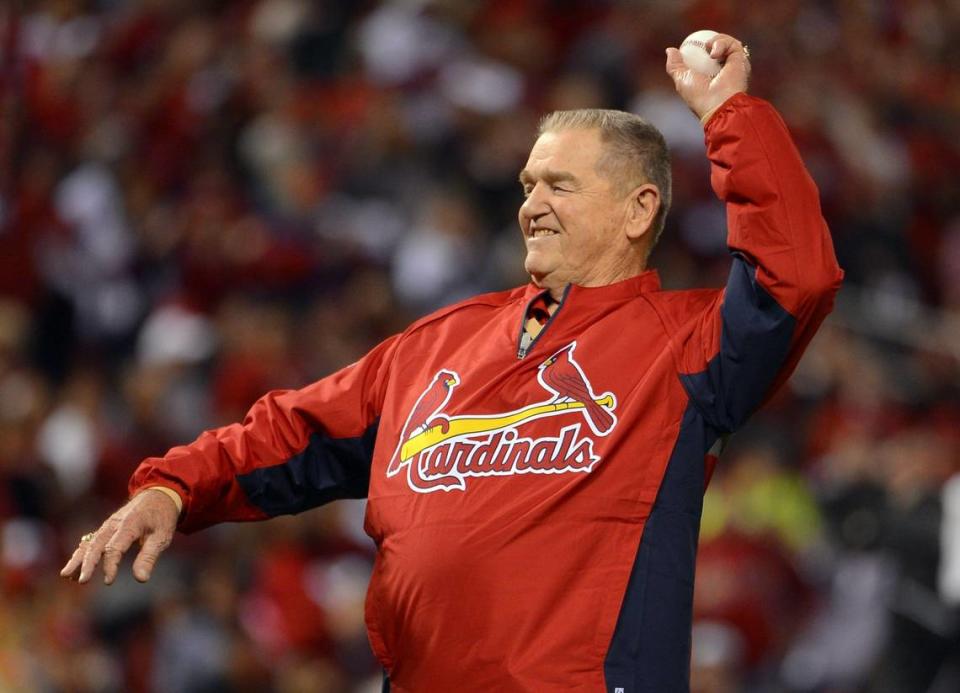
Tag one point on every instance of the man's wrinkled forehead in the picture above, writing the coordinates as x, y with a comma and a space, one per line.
564, 154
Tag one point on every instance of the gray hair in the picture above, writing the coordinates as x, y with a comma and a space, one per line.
636, 152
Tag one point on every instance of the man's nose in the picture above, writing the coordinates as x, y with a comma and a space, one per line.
535, 204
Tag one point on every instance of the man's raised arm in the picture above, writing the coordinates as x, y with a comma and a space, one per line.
784, 275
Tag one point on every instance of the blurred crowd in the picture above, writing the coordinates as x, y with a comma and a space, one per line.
202, 200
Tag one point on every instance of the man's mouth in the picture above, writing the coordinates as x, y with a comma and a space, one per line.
540, 232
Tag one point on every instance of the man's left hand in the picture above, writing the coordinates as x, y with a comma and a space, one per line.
149, 518
705, 94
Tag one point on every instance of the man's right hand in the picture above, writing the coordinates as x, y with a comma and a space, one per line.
150, 517
705, 94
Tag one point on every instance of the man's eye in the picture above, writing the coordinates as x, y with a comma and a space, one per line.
559, 188
527, 189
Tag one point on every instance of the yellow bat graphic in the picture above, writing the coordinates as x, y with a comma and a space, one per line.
473, 425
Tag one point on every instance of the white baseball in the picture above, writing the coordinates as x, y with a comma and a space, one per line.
695, 55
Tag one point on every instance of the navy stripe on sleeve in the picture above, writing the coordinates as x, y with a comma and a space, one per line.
754, 343
327, 469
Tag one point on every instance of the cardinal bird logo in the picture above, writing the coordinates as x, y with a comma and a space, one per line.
440, 452
563, 376
425, 412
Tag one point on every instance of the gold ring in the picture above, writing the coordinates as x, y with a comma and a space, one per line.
87, 537
746, 51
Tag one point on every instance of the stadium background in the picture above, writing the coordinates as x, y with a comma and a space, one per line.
202, 200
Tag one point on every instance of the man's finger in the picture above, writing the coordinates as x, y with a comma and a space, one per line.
738, 60
94, 550
149, 553
725, 48
717, 46
721, 45
114, 550
73, 564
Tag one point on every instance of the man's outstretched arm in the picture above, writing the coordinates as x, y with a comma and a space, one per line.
295, 450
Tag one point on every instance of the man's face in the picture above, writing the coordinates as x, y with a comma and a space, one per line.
573, 216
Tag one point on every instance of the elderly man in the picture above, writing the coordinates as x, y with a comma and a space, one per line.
535, 459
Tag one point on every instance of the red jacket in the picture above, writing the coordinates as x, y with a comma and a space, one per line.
536, 510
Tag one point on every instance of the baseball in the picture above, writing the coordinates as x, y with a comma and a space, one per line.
695, 55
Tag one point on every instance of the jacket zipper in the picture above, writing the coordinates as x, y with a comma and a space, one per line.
525, 341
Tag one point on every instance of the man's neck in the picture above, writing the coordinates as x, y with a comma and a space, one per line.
630, 265
557, 295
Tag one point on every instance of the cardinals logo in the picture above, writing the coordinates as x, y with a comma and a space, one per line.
439, 452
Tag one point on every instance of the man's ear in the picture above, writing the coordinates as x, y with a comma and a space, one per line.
644, 204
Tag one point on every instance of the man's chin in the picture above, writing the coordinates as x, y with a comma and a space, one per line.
544, 278
538, 266
537, 275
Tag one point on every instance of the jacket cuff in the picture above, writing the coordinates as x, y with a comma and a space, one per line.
169, 493
731, 102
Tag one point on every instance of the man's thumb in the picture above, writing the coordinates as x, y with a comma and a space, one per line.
675, 65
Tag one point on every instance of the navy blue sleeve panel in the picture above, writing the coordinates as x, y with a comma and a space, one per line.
326, 470
650, 648
755, 338
295, 449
